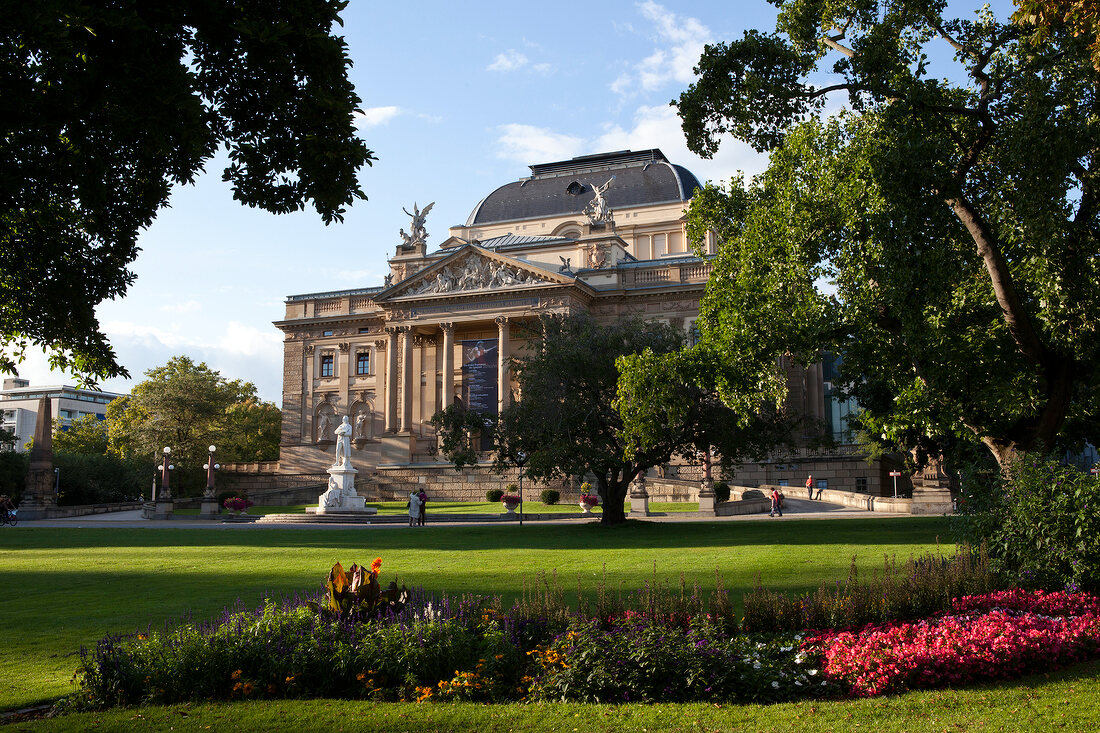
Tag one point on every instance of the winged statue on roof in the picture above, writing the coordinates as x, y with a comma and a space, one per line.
418, 233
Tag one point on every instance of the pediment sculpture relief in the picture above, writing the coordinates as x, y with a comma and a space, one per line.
473, 273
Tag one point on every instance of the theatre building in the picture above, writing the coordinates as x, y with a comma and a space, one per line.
601, 234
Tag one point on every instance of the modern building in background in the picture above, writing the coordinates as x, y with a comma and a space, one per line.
19, 403
601, 234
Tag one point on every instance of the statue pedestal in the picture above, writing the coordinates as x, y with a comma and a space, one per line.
341, 497
639, 498
706, 497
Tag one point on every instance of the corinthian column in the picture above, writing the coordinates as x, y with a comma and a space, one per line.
448, 364
406, 380
391, 380
504, 373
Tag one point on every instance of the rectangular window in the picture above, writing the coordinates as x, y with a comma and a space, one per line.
641, 247
659, 247
364, 329
326, 333
362, 362
783, 482
861, 484
326, 365
822, 484
675, 242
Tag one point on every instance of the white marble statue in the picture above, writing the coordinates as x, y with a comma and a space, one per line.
597, 209
324, 426
333, 495
360, 425
418, 216
343, 443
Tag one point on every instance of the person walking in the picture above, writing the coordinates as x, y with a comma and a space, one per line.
414, 509
777, 503
810, 486
423, 496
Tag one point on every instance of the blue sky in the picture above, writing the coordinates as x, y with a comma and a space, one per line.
458, 98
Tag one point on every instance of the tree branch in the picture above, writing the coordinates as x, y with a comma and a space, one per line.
1019, 324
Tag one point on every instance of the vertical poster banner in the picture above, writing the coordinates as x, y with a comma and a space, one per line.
479, 379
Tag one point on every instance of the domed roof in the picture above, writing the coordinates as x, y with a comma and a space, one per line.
558, 189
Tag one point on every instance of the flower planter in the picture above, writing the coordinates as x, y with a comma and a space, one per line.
586, 508
511, 506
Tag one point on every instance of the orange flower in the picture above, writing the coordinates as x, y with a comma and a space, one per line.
374, 566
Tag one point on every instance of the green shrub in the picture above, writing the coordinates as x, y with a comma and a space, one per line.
1041, 522
13, 473
494, 495
721, 491
549, 496
97, 479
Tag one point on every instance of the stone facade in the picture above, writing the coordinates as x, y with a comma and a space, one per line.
444, 324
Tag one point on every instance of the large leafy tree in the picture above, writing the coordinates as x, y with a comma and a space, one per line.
568, 423
85, 436
107, 104
956, 219
187, 407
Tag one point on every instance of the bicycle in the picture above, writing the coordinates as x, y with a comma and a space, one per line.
9, 516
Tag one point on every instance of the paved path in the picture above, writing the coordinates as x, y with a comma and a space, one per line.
794, 509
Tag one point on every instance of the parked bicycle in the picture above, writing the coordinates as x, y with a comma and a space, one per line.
8, 512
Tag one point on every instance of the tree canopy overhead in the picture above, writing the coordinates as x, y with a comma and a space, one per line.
956, 219
108, 104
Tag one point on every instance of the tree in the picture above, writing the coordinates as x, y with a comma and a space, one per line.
1082, 17
567, 422
957, 221
108, 104
187, 406
86, 436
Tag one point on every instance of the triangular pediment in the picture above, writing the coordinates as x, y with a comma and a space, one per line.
474, 270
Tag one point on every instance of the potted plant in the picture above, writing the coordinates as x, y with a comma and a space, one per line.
511, 501
237, 504
588, 499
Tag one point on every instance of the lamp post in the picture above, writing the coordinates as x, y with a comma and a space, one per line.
165, 491
210, 508
210, 467
521, 458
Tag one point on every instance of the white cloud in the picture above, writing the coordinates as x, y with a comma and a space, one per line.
527, 144
249, 341
374, 116
679, 42
187, 306
510, 60
659, 127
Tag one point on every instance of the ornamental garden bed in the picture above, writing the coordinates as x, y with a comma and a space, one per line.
662, 644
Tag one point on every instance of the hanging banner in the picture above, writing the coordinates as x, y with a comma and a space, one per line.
479, 379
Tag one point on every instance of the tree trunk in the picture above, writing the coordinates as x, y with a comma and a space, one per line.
613, 495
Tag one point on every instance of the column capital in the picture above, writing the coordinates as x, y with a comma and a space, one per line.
447, 327
394, 330
380, 344
501, 321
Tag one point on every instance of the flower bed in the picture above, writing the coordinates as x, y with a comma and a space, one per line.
993, 636
360, 641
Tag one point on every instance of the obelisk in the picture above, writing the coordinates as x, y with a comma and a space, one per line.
38, 494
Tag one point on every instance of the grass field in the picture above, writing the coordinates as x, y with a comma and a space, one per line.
69, 587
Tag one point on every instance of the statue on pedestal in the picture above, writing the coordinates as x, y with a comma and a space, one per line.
343, 443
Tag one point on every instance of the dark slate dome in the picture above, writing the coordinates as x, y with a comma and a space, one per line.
559, 189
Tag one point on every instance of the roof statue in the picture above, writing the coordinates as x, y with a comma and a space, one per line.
419, 234
597, 210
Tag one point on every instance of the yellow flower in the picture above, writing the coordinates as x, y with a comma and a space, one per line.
236, 675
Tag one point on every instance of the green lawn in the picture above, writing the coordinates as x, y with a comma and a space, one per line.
68, 587
1068, 700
